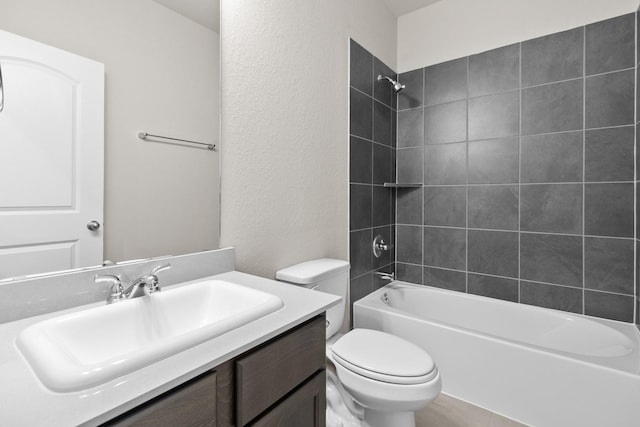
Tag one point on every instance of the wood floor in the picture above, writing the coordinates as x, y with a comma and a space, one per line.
447, 411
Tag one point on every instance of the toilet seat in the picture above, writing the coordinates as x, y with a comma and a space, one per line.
383, 357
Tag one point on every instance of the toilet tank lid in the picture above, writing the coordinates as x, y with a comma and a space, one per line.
312, 271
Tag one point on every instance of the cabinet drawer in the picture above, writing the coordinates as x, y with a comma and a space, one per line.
270, 372
305, 407
191, 404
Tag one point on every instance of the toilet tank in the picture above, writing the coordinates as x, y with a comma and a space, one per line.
324, 275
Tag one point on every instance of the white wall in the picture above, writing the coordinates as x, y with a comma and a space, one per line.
285, 125
452, 29
162, 74
374, 27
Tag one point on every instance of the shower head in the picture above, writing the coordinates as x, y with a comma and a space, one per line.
397, 86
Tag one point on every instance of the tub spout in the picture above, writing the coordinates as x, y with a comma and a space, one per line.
387, 276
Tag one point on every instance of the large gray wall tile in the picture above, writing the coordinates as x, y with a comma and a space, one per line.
552, 208
494, 71
445, 164
608, 154
410, 128
493, 252
551, 296
360, 252
551, 258
553, 58
382, 124
494, 287
361, 114
409, 206
608, 264
494, 206
493, 161
609, 99
494, 116
360, 206
361, 69
445, 123
552, 158
608, 209
409, 244
381, 206
445, 82
409, 273
445, 247
411, 95
445, 279
554, 107
360, 287
609, 44
410, 164
609, 306
382, 90
383, 162
360, 160
445, 206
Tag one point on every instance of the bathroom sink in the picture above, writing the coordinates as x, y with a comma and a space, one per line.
86, 348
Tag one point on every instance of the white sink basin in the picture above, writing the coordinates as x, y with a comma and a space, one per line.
87, 348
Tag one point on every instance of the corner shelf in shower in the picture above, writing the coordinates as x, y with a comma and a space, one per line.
398, 185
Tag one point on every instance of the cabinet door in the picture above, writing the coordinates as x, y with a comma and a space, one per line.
303, 408
190, 405
269, 373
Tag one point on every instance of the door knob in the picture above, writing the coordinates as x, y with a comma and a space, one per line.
93, 225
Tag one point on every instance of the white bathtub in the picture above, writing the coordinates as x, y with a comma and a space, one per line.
541, 367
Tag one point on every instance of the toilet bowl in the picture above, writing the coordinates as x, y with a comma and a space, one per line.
388, 376
380, 380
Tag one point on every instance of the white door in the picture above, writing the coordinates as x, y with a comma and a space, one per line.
51, 158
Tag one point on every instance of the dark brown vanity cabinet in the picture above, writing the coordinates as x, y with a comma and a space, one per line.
279, 383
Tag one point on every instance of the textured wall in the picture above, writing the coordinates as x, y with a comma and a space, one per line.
161, 76
371, 24
452, 29
285, 129
527, 157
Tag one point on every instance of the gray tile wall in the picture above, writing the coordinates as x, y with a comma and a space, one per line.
526, 155
637, 176
372, 163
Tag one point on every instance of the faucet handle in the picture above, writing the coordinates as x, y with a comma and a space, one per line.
107, 278
151, 285
160, 268
116, 286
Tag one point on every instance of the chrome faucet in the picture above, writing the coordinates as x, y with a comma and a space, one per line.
116, 286
143, 285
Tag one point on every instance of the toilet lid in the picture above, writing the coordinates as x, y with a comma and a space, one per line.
383, 357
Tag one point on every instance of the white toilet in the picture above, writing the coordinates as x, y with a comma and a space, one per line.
381, 379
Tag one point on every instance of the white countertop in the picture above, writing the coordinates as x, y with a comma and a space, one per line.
25, 401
